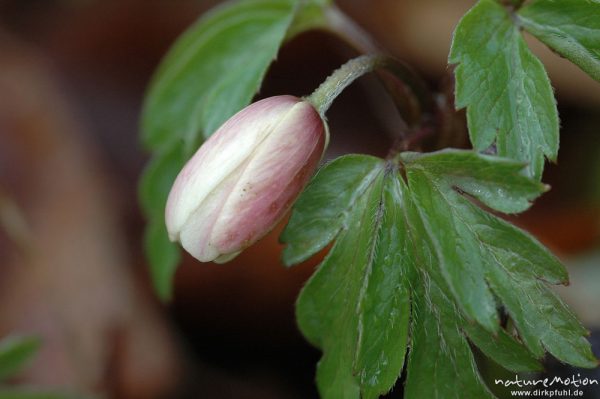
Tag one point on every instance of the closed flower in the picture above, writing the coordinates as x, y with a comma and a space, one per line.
245, 177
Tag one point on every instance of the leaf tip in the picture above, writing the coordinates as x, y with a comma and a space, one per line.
288, 258
545, 188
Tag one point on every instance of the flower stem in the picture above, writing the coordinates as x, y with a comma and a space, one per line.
323, 97
409, 92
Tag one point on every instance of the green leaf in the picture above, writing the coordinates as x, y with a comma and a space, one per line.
440, 364
460, 257
569, 27
414, 254
15, 353
155, 184
489, 252
164, 257
493, 181
505, 88
157, 179
319, 217
543, 321
212, 71
364, 327
503, 349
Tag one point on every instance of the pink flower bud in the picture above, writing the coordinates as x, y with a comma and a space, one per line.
245, 177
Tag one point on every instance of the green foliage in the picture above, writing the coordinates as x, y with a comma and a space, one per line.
212, 71
15, 353
417, 270
413, 253
360, 270
505, 88
440, 363
155, 184
569, 27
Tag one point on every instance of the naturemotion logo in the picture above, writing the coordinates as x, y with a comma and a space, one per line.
560, 386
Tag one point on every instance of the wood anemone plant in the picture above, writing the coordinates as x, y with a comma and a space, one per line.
420, 265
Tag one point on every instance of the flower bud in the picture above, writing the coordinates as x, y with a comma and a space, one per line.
245, 177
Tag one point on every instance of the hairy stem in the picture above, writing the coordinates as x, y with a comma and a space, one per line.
409, 93
323, 97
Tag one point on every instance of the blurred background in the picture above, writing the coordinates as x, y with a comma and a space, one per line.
73, 74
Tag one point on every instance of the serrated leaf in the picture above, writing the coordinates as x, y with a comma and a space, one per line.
503, 349
543, 321
15, 353
459, 256
440, 364
504, 87
569, 27
410, 239
364, 327
507, 259
320, 216
493, 181
213, 70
